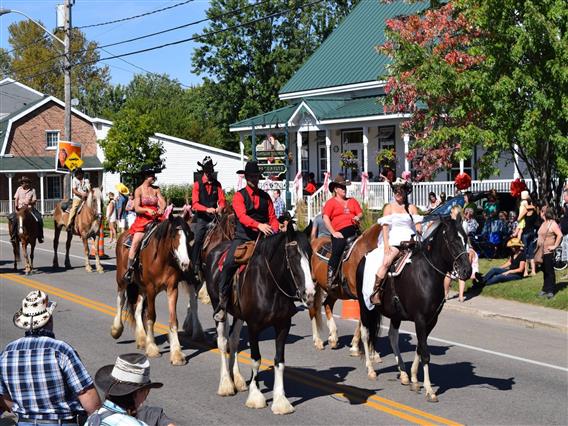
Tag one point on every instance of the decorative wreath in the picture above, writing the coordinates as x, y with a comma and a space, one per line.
462, 181
517, 186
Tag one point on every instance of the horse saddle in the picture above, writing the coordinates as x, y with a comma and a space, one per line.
65, 205
243, 253
400, 262
324, 252
145, 240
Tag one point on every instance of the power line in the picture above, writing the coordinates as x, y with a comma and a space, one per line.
136, 16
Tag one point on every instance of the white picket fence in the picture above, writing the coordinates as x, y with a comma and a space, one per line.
49, 205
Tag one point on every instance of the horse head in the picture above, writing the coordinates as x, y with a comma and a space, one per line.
455, 246
298, 256
175, 233
95, 201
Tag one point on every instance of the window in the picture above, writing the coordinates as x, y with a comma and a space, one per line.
467, 168
386, 142
54, 187
305, 151
351, 136
51, 138
322, 155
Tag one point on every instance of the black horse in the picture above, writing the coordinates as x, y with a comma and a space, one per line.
277, 274
416, 295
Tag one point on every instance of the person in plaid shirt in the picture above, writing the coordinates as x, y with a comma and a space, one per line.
55, 387
278, 202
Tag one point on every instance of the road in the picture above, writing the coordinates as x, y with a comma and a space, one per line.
485, 371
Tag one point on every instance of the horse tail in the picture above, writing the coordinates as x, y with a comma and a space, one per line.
132, 293
370, 319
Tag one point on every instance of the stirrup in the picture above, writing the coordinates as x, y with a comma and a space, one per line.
219, 315
377, 290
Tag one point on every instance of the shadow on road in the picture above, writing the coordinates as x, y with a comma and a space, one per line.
462, 375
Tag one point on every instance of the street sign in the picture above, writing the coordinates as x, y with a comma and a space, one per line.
272, 169
73, 161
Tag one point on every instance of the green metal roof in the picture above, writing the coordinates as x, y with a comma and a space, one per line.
278, 116
349, 54
358, 107
41, 163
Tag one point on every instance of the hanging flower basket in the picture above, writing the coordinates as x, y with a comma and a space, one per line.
517, 186
463, 181
348, 161
386, 157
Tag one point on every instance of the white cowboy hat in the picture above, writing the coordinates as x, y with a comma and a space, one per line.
35, 312
525, 195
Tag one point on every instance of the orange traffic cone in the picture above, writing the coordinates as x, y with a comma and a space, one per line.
350, 310
101, 247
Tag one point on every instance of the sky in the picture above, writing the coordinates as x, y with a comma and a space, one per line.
174, 60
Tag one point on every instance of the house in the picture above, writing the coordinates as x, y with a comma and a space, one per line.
31, 124
333, 107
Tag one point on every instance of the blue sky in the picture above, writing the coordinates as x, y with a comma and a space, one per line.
174, 60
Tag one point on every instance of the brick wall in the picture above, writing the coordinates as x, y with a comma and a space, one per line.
27, 136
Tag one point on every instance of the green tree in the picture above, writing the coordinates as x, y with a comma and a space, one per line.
127, 147
486, 73
245, 67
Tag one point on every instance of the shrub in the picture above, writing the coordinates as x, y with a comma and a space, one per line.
177, 194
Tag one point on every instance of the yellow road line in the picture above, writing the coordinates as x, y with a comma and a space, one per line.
378, 403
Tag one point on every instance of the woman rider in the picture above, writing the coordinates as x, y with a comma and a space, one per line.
341, 216
400, 222
149, 205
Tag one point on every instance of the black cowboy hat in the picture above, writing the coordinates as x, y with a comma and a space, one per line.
339, 181
147, 170
78, 171
207, 165
129, 373
251, 168
25, 179
402, 183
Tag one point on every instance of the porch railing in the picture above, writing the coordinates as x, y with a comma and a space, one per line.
49, 205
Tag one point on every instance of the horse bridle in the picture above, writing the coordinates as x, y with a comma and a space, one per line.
298, 295
455, 258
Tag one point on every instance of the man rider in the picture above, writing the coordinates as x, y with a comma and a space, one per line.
208, 199
25, 198
80, 188
255, 214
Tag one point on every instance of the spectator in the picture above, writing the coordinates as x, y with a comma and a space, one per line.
279, 206
495, 230
470, 224
505, 228
130, 213
468, 202
318, 228
549, 238
442, 197
126, 385
510, 270
513, 224
311, 185
111, 216
121, 200
528, 223
491, 206
433, 202
564, 229
54, 386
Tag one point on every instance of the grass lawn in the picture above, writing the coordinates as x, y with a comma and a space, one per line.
47, 221
525, 290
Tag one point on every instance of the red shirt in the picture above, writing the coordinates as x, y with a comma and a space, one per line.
241, 210
195, 205
340, 217
310, 188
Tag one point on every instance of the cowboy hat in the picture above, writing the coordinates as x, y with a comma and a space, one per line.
515, 242
339, 181
251, 168
207, 165
399, 182
129, 373
149, 170
35, 312
122, 188
525, 195
25, 179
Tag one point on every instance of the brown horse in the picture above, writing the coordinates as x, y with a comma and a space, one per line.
163, 265
87, 224
26, 234
363, 245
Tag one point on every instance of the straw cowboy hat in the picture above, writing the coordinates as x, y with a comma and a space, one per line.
25, 179
525, 195
129, 373
251, 168
122, 188
339, 181
515, 242
207, 165
35, 312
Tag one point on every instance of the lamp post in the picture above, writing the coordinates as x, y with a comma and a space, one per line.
67, 69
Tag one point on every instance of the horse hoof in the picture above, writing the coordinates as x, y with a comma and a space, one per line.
281, 406
256, 400
354, 352
100, 270
177, 358
152, 351
431, 397
372, 375
404, 380
333, 343
240, 383
116, 332
67, 265
226, 387
319, 345
89, 270
376, 358
415, 387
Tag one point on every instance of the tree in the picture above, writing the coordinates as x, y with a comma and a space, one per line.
127, 147
484, 73
246, 66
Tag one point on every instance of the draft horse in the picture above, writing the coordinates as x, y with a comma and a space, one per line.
87, 224
163, 265
26, 235
277, 274
416, 295
348, 270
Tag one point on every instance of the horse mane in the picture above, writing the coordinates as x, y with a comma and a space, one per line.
274, 242
169, 227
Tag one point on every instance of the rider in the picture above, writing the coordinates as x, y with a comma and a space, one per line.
80, 188
149, 205
255, 215
400, 223
341, 216
25, 197
208, 199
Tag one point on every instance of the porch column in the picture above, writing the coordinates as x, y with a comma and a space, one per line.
41, 193
461, 166
406, 139
299, 149
365, 150
328, 150
516, 171
242, 147
10, 193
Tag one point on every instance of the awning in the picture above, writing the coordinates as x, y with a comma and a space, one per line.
41, 164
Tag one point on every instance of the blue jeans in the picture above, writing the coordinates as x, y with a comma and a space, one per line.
495, 275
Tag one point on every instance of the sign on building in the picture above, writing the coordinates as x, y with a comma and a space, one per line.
68, 157
271, 157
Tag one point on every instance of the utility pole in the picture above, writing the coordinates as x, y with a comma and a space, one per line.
67, 70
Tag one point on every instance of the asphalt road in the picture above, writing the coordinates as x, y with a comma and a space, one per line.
485, 371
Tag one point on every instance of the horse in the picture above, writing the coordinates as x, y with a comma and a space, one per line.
276, 275
416, 295
163, 264
87, 224
362, 245
26, 234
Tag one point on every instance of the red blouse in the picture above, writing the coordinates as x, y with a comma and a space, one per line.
341, 217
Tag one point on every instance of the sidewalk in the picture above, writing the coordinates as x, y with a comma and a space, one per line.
520, 313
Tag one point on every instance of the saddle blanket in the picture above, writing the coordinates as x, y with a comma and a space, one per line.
145, 240
222, 262
324, 252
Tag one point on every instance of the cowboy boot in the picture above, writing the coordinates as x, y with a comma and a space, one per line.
129, 272
220, 311
377, 290
331, 281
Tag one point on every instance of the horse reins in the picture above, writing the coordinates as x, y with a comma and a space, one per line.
456, 258
298, 295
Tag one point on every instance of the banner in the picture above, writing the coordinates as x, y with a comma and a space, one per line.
326, 180
68, 156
